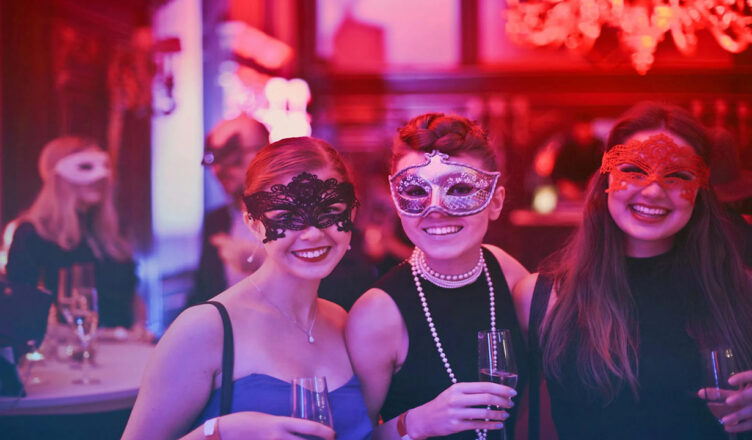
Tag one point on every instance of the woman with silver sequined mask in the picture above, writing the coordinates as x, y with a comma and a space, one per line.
300, 203
412, 338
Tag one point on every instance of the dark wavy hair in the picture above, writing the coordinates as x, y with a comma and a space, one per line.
595, 310
449, 134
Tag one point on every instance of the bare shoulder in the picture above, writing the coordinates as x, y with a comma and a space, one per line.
197, 333
374, 315
522, 295
333, 312
514, 271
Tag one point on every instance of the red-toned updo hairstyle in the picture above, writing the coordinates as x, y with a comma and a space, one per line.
279, 161
450, 134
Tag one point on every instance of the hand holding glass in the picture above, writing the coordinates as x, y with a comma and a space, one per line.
496, 361
718, 366
310, 400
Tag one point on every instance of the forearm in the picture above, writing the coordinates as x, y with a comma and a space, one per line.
410, 425
386, 431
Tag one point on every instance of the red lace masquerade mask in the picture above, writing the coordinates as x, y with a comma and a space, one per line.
656, 159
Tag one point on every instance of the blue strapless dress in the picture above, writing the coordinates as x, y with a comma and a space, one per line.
267, 394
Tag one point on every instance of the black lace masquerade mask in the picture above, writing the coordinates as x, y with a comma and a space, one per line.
305, 201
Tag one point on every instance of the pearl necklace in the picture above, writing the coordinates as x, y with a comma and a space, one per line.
417, 273
309, 331
449, 281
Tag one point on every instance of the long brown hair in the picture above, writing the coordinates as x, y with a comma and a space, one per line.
595, 310
54, 214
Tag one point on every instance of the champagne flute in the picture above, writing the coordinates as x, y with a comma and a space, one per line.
310, 400
84, 314
496, 361
718, 366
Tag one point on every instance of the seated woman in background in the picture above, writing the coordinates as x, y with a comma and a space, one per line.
413, 337
300, 201
73, 220
650, 281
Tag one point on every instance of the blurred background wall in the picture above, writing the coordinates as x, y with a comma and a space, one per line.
150, 78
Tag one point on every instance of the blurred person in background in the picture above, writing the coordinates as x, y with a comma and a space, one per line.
733, 186
73, 220
227, 373
577, 159
229, 252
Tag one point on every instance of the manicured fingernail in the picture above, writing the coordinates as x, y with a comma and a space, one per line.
514, 393
499, 425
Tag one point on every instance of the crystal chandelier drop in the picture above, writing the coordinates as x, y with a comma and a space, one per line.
642, 24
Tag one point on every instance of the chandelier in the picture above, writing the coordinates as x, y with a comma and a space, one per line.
641, 24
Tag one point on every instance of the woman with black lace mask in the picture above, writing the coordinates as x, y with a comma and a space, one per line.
300, 202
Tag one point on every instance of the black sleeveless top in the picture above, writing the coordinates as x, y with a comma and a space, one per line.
458, 315
669, 373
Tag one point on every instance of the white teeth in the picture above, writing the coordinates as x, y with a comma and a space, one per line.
443, 230
642, 209
313, 253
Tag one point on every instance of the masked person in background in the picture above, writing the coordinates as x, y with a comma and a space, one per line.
73, 220
229, 252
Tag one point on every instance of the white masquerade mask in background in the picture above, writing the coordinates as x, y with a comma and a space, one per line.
84, 167
442, 185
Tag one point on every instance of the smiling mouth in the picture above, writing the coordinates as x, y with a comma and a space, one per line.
313, 255
442, 230
646, 211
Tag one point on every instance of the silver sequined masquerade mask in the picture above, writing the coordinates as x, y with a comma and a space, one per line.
305, 201
442, 185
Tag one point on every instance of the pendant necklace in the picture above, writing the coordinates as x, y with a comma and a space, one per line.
308, 331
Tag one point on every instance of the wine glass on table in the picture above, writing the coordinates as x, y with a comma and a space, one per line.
718, 366
80, 309
496, 361
310, 400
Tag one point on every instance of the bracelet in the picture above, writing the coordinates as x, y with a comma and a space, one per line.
402, 427
211, 429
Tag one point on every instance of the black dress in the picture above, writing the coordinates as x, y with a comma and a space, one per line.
32, 258
669, 374
458, 315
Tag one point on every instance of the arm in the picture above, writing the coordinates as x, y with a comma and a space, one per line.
522, 295
179, 377
513, 270
515, 273
375, 336
23, 262
246, 425
377, 342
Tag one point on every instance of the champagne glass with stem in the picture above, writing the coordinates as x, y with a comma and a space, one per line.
496, 361
310, 400
81, 311
719, 365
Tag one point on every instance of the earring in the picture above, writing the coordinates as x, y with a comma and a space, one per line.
349, 247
